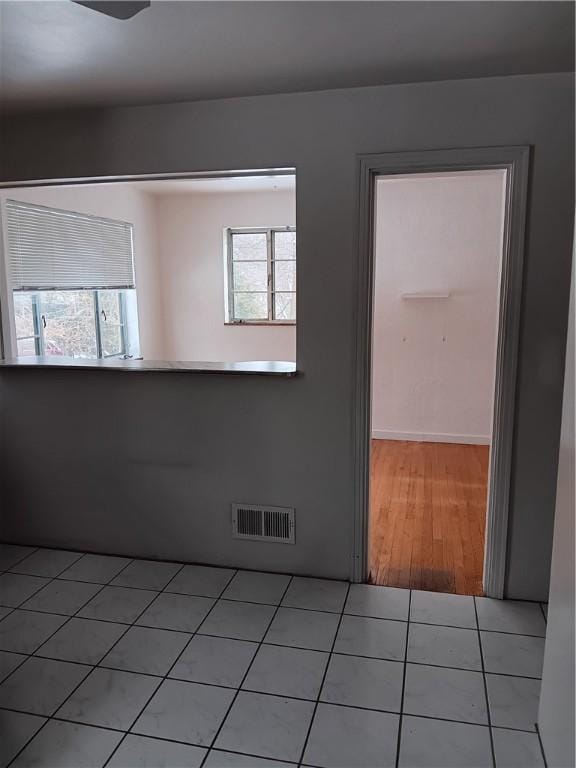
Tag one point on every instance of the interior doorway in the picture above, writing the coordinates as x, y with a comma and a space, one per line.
438, 251
440, 474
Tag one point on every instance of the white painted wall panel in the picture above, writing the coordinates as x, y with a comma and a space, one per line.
434, 358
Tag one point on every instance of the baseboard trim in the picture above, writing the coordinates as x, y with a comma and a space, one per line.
427, 437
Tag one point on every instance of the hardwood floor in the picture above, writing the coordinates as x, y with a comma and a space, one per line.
427, 516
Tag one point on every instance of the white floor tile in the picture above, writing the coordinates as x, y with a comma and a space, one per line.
510, 616
201, 580
444, 646
342, 737
268, 726
144, 752
359, 682
513, 701
217, 758
109, 698
68, 745
149, 651
9, 662
99, 569
242, 621
25, 631
449, 610
215, 660
46, 562
118, 604
147, 574
287, 672
180, 612
427, 743
515, 749
62, 597
175, 721
256, 587
451, 694
82, 640
378, 602
20, 728
186, 712
520, 655
379, 638
316, 594
303, 629
39, 686
15, 588
11, 554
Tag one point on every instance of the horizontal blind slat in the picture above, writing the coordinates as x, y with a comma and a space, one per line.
50, 248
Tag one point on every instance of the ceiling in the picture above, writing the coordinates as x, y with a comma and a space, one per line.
58, 54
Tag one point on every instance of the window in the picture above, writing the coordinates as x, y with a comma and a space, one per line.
81, 324
72, 278
261, 275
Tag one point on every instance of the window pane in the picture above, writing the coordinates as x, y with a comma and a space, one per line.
251, 306
110, 323
23, 316
284, 245
285, 275
249, 246
285, 306
249, 276
26, 347
109, 302
69, 325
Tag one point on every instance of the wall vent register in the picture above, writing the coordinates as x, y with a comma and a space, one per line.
275, 524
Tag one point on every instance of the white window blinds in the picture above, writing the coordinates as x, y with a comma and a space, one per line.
53, 249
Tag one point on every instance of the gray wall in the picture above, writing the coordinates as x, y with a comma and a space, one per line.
148, 463
556, 715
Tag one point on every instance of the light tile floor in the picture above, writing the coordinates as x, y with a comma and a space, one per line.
108, 661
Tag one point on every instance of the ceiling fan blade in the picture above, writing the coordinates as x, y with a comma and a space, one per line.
118, 9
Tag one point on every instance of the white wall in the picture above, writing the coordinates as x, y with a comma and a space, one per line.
117, 201
434, 359
556, 715
191, 237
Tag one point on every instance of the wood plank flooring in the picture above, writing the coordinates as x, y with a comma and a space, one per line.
427, 516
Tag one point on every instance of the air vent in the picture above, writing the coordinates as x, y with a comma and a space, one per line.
263, 523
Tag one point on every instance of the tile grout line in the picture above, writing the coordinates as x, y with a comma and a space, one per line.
263, 693
260, 644
328, 661
488, 713
541, 745
49, 717
165, 590
252, 602
34, 549
401, 716
152, 738
165, 677
545, 617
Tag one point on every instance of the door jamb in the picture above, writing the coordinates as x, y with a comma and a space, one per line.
516, 161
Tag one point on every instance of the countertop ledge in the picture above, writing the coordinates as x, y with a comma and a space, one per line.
250, 367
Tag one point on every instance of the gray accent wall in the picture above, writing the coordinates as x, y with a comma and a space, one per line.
149, 463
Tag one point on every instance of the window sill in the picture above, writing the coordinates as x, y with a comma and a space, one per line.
242, 323
251, 367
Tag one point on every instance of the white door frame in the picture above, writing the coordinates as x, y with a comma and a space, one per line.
515, 160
